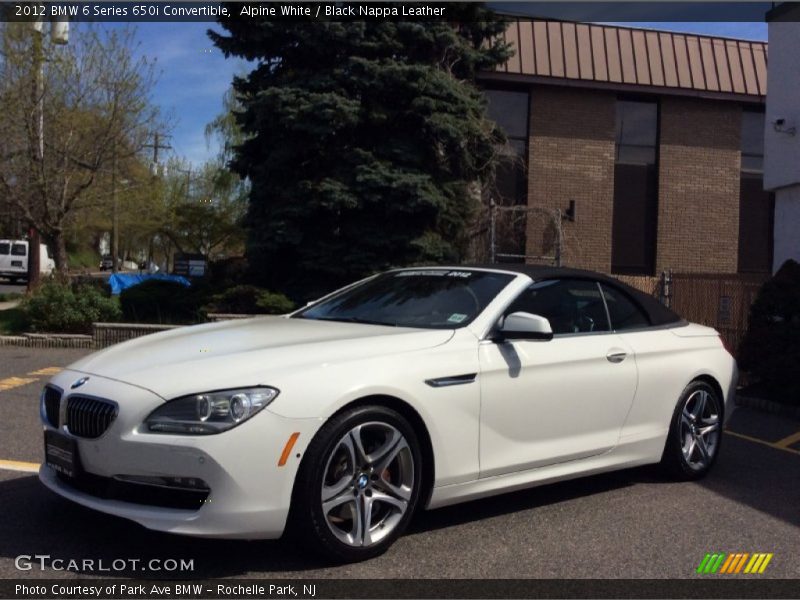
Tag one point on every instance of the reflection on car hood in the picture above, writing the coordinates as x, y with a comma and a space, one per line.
246, 352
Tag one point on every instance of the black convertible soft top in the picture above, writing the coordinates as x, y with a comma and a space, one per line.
656, 312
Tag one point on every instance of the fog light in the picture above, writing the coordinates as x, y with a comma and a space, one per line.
186, 483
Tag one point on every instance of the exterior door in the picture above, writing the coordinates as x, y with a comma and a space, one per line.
546, 402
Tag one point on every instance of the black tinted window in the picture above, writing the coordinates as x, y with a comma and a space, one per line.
571, 306
19, 250
624, 313
4, 247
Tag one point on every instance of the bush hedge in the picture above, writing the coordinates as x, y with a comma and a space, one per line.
770, 349
249, 299
57, 307
158, 301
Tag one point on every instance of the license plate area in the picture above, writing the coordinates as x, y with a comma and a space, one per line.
61, 453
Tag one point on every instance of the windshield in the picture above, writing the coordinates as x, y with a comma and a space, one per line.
427, 298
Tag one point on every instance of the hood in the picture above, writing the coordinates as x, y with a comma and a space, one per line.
246, 352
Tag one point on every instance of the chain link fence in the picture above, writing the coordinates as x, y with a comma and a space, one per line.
721, 301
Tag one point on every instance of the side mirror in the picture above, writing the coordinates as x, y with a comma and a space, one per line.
525, 326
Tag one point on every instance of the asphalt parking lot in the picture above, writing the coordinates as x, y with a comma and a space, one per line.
630, 524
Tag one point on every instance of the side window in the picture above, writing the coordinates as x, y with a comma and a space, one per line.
19, 250
571, 305
4, 248
624, 313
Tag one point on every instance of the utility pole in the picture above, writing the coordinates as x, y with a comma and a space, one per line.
156, 146
114, 211
37, 99
59, 34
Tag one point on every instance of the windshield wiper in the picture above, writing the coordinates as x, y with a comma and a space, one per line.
356, 320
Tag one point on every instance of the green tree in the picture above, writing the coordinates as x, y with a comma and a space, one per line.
203, 209
364, 142
97, 115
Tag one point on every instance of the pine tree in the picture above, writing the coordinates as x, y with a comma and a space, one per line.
364, 142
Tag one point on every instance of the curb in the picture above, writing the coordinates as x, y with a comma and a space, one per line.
769, 406
44, 340
103, 334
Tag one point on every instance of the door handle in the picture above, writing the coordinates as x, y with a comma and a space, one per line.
616, 356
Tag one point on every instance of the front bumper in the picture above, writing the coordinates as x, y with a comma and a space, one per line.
249, 493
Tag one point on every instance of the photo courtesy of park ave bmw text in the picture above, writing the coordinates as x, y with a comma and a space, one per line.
399, 299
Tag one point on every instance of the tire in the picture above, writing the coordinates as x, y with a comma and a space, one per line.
695, 433
340, 488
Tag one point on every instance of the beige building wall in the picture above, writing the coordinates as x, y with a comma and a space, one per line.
571, 157
698, 200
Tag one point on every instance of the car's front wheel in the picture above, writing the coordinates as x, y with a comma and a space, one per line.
359, 483
695, 432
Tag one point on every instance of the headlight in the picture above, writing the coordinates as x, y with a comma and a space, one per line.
211, 412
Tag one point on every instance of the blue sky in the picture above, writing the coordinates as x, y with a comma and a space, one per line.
194, 74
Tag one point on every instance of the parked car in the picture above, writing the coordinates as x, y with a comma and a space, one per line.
107, 262
14, 260
416, 388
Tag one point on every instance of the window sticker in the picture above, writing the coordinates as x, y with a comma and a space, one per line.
457, 318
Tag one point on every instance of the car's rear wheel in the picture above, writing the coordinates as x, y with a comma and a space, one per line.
695, 432
359, 483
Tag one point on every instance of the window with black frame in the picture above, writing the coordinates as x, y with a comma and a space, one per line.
756, 206
634, 221
509, 109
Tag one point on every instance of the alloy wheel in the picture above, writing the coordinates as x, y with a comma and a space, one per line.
367, 484
699, 429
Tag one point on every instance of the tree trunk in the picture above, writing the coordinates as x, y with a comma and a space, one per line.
60, 249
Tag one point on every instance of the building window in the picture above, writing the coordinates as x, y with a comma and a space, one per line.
510, 111
756, 207
633, 235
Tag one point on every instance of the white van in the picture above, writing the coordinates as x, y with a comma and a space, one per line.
14, 259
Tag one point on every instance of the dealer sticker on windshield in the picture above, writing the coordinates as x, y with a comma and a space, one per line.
456, 318
434, 273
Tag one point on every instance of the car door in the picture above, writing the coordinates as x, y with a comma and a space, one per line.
546, 402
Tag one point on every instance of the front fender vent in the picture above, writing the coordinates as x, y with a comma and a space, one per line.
451, 380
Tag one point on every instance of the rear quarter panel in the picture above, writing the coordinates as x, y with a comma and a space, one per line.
667, 361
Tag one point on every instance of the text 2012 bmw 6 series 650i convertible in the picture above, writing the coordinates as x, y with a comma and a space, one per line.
415, 388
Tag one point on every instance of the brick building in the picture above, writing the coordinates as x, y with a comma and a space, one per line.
656, 137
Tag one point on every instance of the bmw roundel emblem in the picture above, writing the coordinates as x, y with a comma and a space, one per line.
79, 383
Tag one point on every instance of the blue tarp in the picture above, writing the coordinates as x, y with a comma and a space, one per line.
122, 281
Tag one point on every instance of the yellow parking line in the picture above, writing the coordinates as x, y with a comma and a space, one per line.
47, 371
758, 441
788, 441
16, 465
12, 382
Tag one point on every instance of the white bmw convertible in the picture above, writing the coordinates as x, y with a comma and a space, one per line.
416, 388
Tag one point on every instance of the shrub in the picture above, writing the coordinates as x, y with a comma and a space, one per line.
770, 349
101, 284
55, 307
159, 301
249, 299
228, 272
